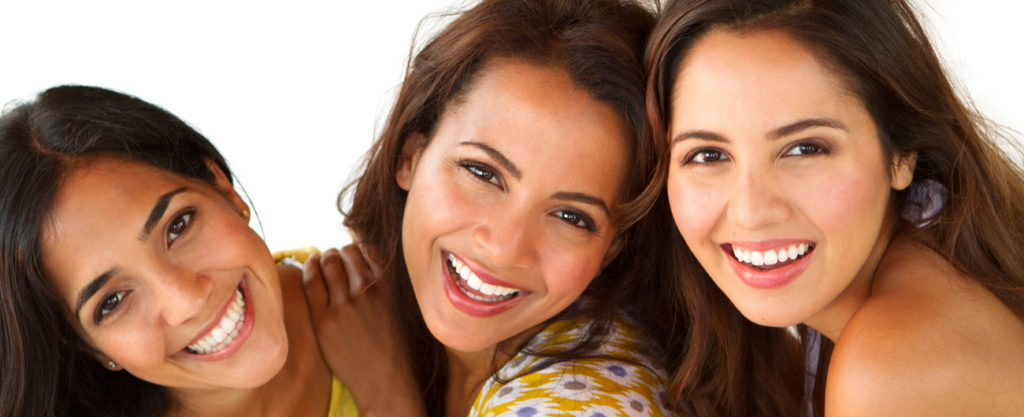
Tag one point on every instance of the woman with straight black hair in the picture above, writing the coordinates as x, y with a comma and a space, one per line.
131, 283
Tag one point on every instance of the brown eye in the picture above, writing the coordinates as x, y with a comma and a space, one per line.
806, 148
706, 156
481, 171
109, 305
575, 219
178, 226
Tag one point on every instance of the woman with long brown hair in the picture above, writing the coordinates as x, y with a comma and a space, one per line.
825, 173
502, 188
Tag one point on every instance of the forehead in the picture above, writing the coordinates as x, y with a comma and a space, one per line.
100, 208
536, 113
768, 69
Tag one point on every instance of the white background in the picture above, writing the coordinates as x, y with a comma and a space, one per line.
293, 94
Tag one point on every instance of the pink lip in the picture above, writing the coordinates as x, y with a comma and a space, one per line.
770, 278
239, 340
470, 306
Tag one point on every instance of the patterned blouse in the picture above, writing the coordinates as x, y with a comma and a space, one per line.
616, 380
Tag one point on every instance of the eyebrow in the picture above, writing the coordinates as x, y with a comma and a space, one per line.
500, 157
584, 198
803, 125
158, 211
92, 288
774, 134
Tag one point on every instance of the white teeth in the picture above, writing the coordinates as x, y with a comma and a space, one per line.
469, 279
226, 330
756, 258
770, 257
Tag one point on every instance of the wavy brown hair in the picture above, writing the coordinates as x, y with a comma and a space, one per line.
599, 44
881, 52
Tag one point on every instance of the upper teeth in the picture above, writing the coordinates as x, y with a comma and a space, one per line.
474, 281
224, 333
770, 257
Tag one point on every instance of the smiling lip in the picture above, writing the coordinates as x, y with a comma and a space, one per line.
459, 295
239, 340
767, 277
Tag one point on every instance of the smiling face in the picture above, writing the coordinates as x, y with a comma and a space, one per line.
508, 216
163, 276
778, 182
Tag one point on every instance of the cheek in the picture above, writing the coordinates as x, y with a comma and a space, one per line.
434, 205
845, 201
695, 207
568, 272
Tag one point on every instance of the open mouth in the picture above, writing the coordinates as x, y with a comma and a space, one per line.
772, 258
225, 332
473, 287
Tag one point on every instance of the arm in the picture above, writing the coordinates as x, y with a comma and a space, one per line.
356, 332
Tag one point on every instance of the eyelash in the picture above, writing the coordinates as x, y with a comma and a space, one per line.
704, 152
482, 172
179, 225
575, 219
485, 173
719, 156
817, 148
108, 305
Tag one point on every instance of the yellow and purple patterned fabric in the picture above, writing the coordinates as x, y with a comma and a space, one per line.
619, 380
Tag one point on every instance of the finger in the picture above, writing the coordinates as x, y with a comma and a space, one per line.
359, 274
335, 277
313, 284
369, 256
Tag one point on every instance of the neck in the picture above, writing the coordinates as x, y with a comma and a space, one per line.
302, 387
225, 402
469, 370
831, 320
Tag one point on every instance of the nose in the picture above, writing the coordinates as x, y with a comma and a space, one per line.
757, 199
506, 237
181, 294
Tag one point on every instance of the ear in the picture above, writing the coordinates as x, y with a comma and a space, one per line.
903, 170
613, 250
411, 151
107, 363
224, 186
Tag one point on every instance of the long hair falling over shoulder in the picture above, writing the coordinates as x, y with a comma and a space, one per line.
46, 369
597, 42
883, 55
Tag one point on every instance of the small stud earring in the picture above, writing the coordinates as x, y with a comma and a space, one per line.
245, 213
112, 364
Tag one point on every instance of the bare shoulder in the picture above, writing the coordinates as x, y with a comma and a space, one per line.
928, 341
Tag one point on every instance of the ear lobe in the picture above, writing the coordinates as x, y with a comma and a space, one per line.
108, 363
224, 186
903, 170
613, 250
411, 151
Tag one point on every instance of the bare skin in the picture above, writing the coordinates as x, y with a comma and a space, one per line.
303, 387
360, 342
927, 342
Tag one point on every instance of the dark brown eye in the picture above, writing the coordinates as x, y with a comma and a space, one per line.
178, 226
575, 219
108, 305
706, 156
